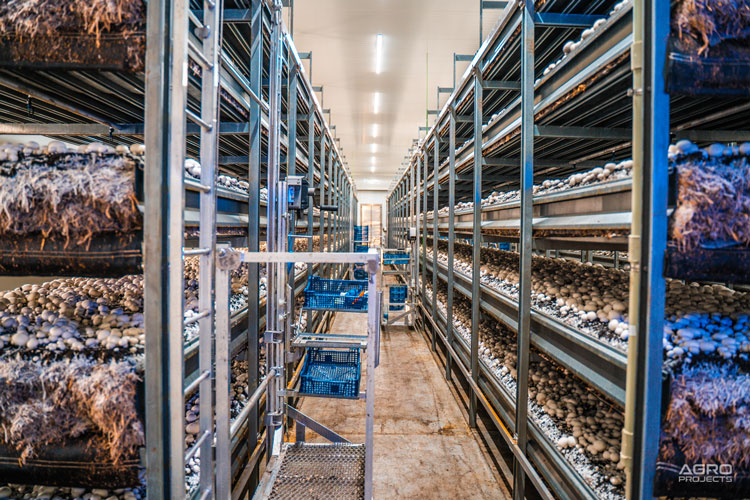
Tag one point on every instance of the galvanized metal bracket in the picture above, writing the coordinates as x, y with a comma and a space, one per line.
273, 337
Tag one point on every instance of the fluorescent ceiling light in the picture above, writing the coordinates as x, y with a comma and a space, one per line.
379, 53
372, 160
373, 148
372, 169
376, 102
374, 129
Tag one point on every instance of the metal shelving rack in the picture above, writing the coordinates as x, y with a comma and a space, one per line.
518, 123
227, 104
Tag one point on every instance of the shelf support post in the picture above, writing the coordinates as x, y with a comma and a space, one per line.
163, 269
525, 240
423, 159
477, 240
451, 232
647, 247
253, 228
435, 234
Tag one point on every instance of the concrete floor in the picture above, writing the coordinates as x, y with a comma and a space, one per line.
424, 448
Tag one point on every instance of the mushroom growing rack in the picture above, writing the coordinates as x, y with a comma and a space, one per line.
209, 142
560, 139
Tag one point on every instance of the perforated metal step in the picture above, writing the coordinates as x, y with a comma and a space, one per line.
311, 471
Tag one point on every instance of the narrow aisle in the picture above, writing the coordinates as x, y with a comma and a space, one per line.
424, 448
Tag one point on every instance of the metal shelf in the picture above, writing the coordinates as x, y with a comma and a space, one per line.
582, 111
83, 105
586, 211
507, 124
598, 363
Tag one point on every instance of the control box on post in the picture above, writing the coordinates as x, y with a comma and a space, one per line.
297, 193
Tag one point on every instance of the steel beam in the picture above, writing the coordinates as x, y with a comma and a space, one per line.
164, 409
477, 239
255, 116
451, 230
557, 20
649, 257
525, 241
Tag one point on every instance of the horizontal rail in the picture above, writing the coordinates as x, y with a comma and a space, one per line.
195, 383
234, 429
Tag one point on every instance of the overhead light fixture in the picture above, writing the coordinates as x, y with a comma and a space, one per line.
374, 129
373, 148
378, 53
372, 169
376, 102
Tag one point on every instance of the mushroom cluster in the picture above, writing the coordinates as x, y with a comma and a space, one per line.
708, 319
581, 423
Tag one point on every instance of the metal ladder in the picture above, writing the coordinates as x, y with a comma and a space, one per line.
201, 46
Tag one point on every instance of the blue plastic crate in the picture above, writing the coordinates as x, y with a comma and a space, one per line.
361, 248
360, 274
335, 295
331, 373
395, 258
398, 294
396, 307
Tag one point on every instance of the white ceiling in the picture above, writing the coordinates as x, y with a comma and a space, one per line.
419, 39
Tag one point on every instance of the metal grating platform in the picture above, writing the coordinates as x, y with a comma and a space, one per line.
319, 472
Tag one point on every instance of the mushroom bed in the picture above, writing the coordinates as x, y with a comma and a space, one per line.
584, 425
67, 196
70, 212
55, 31
70, 349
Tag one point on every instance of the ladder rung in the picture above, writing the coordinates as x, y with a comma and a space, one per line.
197, 119
196, 52
193, 449
202, 187
194, 18
196, 251
193, 319
194, 384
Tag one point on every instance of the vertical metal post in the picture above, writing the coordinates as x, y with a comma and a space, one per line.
435, 234
423, 159
373, 326
253, 225
209, 142
310, 177
163, 290
650, 184
451, 231
274, 286
321, 191
477, 242
417, 209
525, 241
331, 201
291, 169
223, 388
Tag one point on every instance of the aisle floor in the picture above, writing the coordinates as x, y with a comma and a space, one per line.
424, 449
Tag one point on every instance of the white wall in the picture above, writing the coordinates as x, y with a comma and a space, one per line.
373, 197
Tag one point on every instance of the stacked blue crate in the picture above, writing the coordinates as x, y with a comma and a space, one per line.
397, 297
335, 295
331, 373
395, 258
